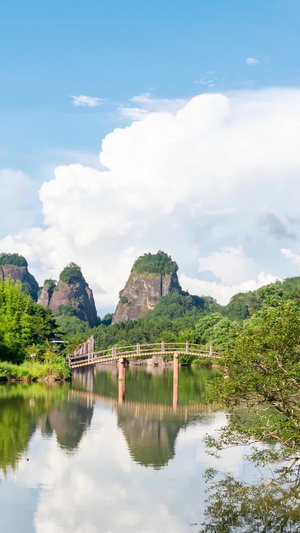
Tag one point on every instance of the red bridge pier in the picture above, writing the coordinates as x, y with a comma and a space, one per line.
121, 383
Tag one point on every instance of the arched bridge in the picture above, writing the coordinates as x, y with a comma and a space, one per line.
86, 354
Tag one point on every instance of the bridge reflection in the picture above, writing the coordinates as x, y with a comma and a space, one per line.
150, 427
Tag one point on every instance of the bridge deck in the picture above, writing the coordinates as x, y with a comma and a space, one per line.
140, 351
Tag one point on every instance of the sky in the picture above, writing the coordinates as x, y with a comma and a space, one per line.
129, 127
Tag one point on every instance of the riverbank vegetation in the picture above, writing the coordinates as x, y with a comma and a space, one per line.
56, 370
26, 329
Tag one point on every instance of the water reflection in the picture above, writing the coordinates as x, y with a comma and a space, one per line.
26, 407
150, 427
136, 466
270, 506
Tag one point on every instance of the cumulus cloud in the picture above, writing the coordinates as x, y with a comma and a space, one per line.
252, 61
275, 225
191, 181
229, 264
288, 254
231, 272
89, 101
222, 292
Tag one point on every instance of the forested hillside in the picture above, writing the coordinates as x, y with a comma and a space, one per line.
185, 317
27, 327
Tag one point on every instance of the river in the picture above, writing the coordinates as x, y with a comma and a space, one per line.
91, 457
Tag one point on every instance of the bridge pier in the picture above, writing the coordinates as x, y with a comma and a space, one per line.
122, 368
175, 366
121, 381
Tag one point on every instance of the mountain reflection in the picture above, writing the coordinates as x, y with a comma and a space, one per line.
24, 408
69, 421
145, 408
150, 437
144, 405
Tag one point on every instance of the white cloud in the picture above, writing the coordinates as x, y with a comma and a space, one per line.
222, 292
133, 113
229, 264
207, 80
88, 101
147, 104
292, 256
142, 98
191, 182
252, 61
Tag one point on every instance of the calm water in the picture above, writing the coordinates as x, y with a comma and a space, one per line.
92, 458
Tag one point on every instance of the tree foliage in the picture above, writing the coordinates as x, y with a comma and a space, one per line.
71, 274
13, 259
264, 373
70, 326
22, 322
243, 305
173, 306
51, 283
159, 263
217, 330
66, 310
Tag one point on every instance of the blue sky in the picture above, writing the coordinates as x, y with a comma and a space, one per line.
117, 49
212, 179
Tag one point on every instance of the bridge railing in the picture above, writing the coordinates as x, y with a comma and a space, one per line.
145, 350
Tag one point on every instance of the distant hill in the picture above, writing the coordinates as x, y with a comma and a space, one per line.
71, 296
152, 276
15, 267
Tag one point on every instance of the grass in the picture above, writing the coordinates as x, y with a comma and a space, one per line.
34, 371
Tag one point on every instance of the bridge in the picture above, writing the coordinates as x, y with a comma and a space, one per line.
86, 355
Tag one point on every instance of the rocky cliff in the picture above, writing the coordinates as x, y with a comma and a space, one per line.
45, 295
71, 295
15, 267
152, 276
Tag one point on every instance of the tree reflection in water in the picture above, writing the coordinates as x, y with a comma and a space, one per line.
24, 408
271, 506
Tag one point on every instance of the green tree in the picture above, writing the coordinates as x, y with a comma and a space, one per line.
217, 330
71, 274
13, 259
159, 263
264, 373
22, 322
